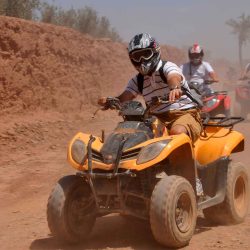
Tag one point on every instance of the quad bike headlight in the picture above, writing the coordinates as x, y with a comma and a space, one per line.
151, 151
79, 151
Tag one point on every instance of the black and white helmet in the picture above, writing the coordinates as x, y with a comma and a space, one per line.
144, 53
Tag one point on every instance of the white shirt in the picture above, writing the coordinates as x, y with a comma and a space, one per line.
155, 86
199, 73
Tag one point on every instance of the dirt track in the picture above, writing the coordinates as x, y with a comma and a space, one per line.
32, 164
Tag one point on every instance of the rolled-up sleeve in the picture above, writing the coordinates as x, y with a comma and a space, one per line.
208, 67
172, 68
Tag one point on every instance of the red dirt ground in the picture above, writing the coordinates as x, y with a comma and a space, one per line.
50, 79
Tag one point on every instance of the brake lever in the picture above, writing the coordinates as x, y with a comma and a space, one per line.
111, 103
101, 108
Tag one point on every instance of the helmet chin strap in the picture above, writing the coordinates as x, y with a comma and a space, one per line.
152, 71
143, 69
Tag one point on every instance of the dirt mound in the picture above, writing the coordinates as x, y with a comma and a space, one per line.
50, 67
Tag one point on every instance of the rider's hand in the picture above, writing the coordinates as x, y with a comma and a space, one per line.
102, 101
175, 94
174, 82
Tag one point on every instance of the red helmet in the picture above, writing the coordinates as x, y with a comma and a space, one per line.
195, 54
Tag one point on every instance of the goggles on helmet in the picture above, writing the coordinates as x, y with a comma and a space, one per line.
138, 55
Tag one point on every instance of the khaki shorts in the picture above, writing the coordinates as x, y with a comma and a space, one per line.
190, 119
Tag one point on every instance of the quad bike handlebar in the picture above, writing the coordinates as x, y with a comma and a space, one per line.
208, 82
216, 93
200, 90
155, 100
113, 103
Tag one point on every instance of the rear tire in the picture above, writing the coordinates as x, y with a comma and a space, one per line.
235, 206
71, 209
173, 212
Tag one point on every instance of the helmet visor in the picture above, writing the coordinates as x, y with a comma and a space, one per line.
138, 55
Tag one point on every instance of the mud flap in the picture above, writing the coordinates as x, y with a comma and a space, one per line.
213, 178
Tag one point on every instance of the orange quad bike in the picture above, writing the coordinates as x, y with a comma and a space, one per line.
142, 171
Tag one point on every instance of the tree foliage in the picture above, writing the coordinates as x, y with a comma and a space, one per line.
19, 8
85, 20
241, 28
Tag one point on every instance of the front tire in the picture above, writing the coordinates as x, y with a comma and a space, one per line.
235, 206
173, 212
71, 209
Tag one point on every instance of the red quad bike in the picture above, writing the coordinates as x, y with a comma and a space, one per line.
242, 97
215, 102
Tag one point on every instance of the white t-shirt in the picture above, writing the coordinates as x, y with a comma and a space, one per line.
155, 86
199, 73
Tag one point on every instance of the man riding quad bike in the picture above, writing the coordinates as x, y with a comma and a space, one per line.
197, 70
200, 75
149, 165
142, 171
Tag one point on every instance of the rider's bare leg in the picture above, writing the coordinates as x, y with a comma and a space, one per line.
178, 129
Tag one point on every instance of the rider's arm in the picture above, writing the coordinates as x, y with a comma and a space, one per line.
130, 92
126, 96
213, 76
174, 82
174, 79
211, 73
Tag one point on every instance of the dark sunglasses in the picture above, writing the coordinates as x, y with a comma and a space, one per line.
195, 56
138, 55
